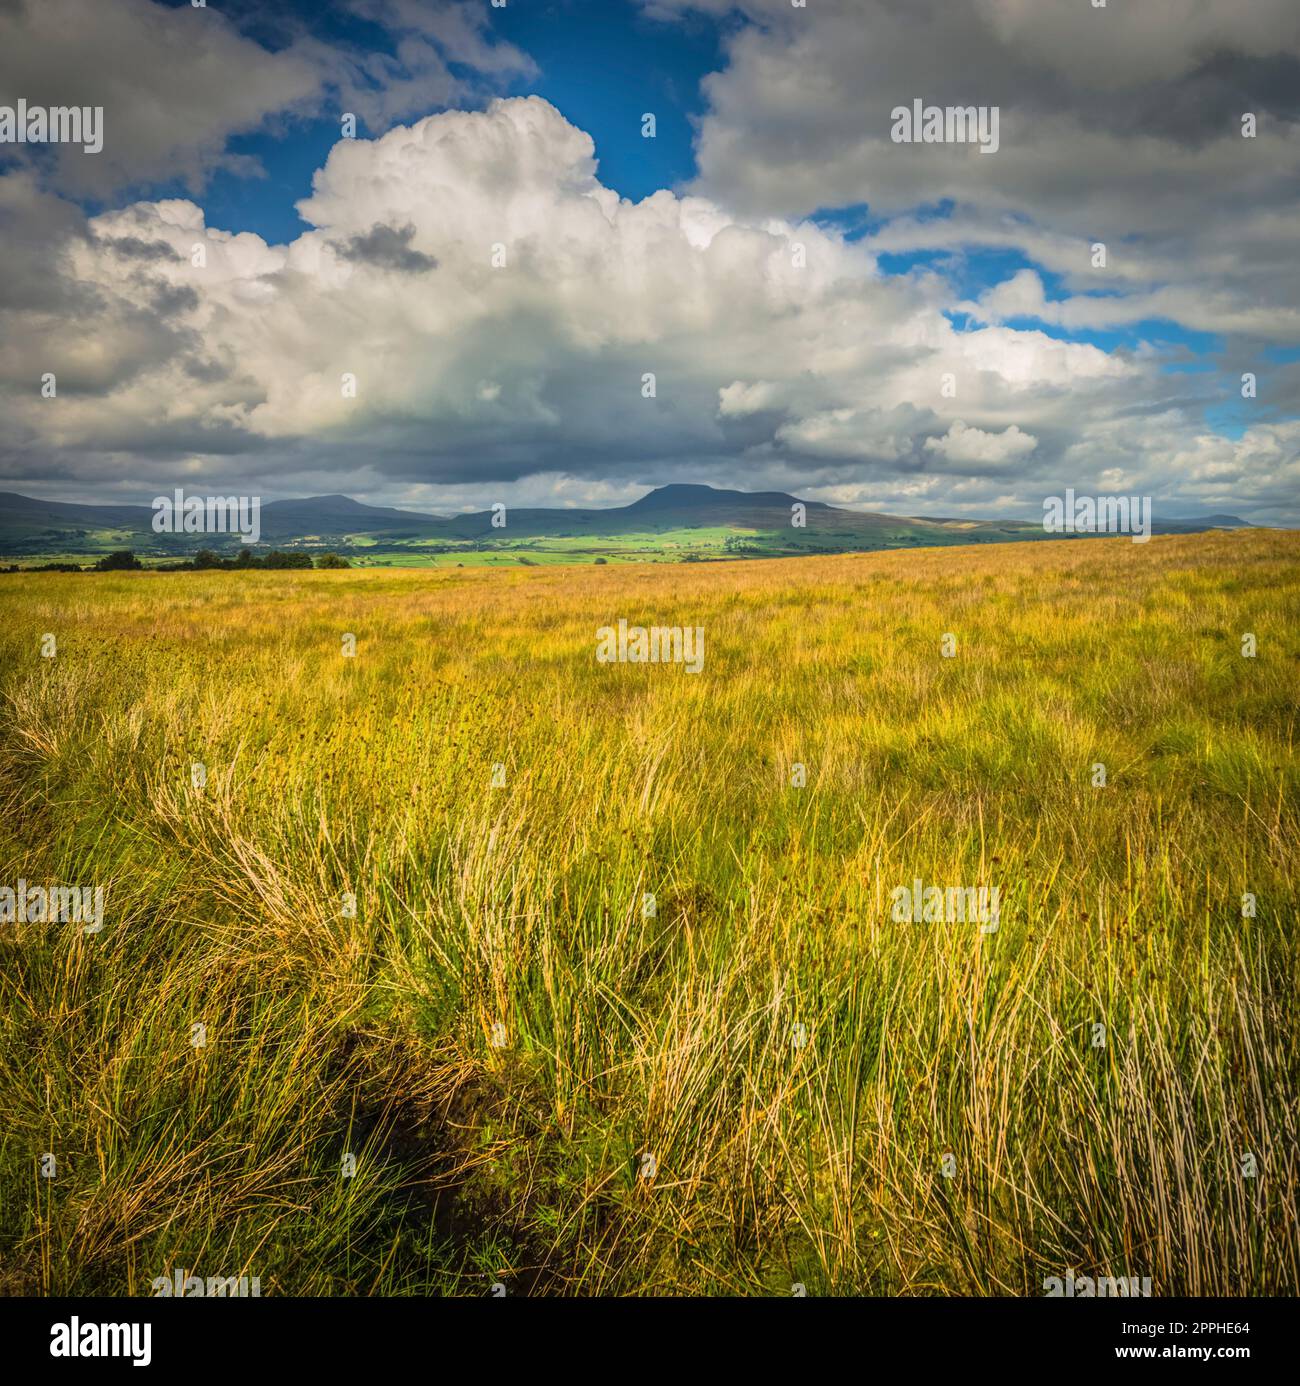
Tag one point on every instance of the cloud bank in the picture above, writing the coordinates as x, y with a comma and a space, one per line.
473, 314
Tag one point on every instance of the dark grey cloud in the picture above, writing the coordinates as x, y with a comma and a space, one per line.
176, 82
168, 300
388, 247
133, 248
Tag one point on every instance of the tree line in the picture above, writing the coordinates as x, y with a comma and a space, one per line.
125, 560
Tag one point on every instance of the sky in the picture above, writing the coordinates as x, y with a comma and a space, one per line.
573, 249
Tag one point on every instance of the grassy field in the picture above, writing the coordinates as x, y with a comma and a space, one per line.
768, 1082
665, 545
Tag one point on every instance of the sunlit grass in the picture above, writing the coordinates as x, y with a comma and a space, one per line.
678, 1035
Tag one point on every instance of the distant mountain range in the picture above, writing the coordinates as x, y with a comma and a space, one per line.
670, 522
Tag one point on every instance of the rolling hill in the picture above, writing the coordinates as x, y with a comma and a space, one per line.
673, 523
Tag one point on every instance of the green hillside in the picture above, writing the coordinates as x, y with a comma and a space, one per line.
670, 524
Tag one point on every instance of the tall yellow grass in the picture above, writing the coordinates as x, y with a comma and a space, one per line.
501, 1036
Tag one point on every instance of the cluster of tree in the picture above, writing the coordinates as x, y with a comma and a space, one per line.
119, 561
45, 568
276, 558
123, 560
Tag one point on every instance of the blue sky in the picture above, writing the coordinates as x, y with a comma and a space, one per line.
602, 64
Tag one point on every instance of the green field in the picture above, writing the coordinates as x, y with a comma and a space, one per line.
768, 1080
672, 544
671, 524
